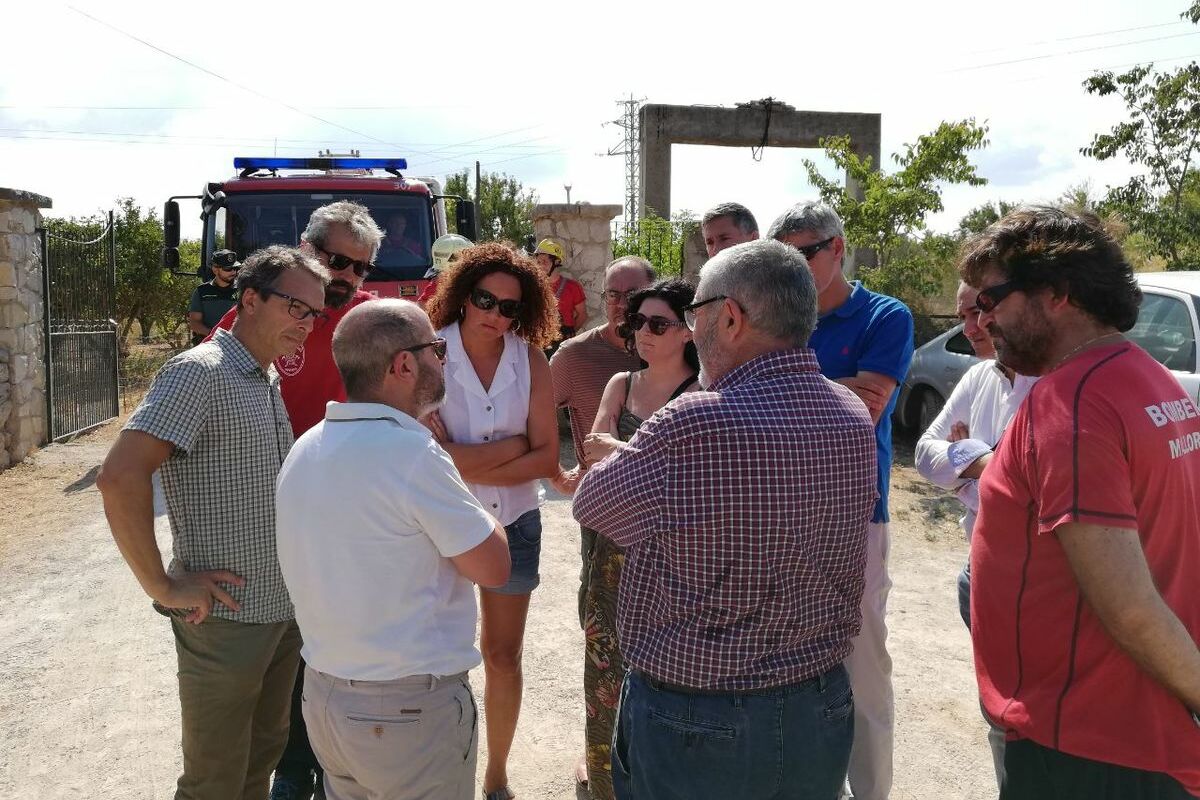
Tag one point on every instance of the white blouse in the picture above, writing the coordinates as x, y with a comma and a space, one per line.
475, 416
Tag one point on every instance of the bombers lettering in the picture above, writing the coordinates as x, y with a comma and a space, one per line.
1172, 411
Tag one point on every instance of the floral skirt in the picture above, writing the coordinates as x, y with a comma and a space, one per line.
603, 668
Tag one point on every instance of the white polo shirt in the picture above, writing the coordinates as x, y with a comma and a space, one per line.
369, 511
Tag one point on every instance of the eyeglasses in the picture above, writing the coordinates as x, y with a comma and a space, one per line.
617, 296
486, 301
810, 250
296, 307
987, 299
689, 312
658, 325
339, 262
438, 345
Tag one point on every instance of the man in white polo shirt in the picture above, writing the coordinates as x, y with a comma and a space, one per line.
382, 585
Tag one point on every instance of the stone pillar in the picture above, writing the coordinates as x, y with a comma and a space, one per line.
695, 254
22, 339
585, 232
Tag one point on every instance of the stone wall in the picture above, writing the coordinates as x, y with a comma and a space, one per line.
585, 232
22, 338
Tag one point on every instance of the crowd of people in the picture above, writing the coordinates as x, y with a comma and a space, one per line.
341, 472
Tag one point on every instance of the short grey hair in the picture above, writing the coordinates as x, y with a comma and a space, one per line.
354, 217
636, 261
368, 338
810, 216
772, 284
263, 268
738, 213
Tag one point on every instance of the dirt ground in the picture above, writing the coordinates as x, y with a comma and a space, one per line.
88, 706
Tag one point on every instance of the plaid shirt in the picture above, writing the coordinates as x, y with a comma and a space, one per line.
231, 432
743, 511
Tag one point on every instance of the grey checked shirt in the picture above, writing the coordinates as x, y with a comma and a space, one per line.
230, 429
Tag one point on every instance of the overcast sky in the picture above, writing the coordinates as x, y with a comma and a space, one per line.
89, 113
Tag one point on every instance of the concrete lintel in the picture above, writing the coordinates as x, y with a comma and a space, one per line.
584, 210
22, 197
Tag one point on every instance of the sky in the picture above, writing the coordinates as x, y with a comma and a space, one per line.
151, 99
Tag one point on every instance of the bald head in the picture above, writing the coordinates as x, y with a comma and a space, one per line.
369, 337
624, 276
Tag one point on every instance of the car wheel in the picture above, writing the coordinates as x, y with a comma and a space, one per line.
929, 405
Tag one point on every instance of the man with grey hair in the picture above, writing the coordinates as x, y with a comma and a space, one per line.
386, 606
743, 512
725, 225
214, 427
863, 340
344, 238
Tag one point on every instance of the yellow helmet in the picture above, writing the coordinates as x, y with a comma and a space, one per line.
445, 247
550, 248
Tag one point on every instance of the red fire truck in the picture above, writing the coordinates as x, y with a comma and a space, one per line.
269, 200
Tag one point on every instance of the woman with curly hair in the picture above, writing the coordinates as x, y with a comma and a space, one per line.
496, 311
654, 330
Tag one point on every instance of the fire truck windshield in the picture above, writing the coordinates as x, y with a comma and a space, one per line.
246, 222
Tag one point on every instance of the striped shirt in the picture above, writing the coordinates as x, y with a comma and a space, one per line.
226, 419
744, 512
581, 369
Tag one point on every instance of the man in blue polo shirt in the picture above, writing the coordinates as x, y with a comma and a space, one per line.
865, 341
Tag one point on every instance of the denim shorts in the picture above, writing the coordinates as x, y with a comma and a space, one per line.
525, 550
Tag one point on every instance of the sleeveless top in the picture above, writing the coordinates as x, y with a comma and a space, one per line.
475, 416
627, 421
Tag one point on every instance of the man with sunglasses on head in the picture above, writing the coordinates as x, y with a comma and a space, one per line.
211, 300
344, 238
214, 427
863, 340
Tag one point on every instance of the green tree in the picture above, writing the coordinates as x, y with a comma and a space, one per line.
659, 241
1161, 136
982, 216
890, 217
505, 207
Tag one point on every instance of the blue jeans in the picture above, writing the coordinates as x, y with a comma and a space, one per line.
525, 551
786, 743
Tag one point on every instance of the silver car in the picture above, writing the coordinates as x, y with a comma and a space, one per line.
1167, 328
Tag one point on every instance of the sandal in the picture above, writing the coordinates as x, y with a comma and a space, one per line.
503, 793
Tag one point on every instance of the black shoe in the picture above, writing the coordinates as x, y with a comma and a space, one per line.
292, 787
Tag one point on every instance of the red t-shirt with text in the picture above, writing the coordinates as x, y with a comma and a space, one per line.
1109, 438
309, 378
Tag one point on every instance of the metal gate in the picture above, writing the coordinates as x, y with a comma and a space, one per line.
80, 284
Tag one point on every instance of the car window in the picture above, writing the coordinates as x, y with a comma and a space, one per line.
1164, 330
959, 343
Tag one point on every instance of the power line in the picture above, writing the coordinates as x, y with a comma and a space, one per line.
1079, 36
631, 148
1068, 53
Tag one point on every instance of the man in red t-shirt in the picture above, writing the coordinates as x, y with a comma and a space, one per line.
1086, 552
345, 239
572, 302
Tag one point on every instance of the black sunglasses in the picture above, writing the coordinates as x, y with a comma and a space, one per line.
987, 299
658, 325
689, 312
339, 262
810, 250
486, 301
296, 307
438, 345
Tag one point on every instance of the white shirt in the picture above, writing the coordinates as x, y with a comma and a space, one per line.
370, 509
473, 415
985, 401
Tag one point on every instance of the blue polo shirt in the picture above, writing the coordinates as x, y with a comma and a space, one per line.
869, 332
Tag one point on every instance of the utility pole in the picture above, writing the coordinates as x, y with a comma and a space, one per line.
478, 180
630, 147
567, 186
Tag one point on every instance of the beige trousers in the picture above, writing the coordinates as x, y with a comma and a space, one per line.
413, 738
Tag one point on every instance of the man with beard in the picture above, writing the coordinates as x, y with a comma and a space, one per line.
386, 606
743, 512
1086, 551
345, 239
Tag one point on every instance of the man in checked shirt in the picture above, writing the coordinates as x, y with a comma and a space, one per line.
743, 512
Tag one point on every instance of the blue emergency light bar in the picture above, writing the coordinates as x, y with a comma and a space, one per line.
319, 163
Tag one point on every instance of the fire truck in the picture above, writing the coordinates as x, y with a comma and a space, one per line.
269, 200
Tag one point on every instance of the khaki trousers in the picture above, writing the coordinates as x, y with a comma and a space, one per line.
413, 738
235, 686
